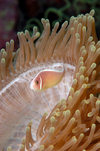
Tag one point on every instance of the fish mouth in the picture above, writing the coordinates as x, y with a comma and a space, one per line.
32, 86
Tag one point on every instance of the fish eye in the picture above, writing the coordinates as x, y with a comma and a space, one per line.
37, 82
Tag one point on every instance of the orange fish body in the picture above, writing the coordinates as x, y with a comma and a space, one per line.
46, 79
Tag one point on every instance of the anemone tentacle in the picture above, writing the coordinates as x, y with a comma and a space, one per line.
74, 122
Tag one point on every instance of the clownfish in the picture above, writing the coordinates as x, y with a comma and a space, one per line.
46, 79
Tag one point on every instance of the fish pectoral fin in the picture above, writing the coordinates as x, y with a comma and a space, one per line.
40, 83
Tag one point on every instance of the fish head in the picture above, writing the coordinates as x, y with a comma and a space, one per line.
36, 83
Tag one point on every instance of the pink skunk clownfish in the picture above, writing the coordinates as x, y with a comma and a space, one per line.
46, 79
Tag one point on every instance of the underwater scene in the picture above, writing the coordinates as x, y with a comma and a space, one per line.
49, 75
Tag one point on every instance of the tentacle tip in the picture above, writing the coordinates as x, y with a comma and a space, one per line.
26, 31
42, 20
3, 60
11, 41
92, 12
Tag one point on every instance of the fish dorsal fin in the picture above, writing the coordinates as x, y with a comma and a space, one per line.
40, 83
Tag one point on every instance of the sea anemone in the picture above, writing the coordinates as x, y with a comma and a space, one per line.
65, 117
